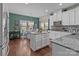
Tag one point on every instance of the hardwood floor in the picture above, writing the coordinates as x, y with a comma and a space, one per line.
21, 47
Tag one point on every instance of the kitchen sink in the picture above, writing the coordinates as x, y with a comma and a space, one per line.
75, 36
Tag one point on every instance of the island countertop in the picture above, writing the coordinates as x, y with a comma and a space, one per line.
68, 41
37, 33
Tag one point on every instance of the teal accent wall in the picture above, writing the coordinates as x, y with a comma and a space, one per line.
15, 17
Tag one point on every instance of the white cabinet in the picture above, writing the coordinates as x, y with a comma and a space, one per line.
59, 16
38, 44
68, 17
72, 17
65, 18
39, 41
55, 17
77, 16
51, 21
0, 24
45, 40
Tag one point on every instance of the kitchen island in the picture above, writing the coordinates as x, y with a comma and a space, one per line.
38, 40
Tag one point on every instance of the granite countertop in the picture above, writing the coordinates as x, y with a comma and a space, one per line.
69, 41
37, 33
58, 31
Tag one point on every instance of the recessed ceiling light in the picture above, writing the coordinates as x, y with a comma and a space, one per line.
26, 3
54, 13
46, 10
60, 4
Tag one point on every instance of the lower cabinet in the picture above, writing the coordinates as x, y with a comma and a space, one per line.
0, 51
39, 41
45, 42
4, 51
58, 50
38, 44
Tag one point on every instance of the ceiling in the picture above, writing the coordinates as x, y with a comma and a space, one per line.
36, 9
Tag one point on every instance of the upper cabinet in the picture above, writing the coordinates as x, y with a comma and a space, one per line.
0, 25
72, 17
77, 16
51, 22
54, 18
59, 16
65, 18
68, 17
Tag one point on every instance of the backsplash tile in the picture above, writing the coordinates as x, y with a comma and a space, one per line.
71, 28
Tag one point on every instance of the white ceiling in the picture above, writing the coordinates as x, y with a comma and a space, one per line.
36, 9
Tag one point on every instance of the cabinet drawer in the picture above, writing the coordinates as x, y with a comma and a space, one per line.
37, 35
38, 39
44, 38
44, 35
44, 41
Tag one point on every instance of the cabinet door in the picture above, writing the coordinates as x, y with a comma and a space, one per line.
38, 44
0, 23
65, 18
51, 22
59, 16
77, 16
38, 37
38, 41
45, 41
32, 42
71, 17
55, 17
5, 51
